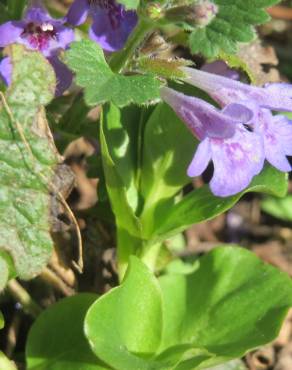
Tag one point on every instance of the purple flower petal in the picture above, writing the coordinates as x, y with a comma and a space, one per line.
219, 67
63, 74
111, 30
277, 134
236, 161
6, 70
201, 159
78, 12
10, 32
37, 14
202, 118
225, 90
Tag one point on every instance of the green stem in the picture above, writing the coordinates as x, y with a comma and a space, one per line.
150, 255
119, 60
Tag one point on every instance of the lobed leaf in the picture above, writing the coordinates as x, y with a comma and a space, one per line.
101, 84
28, 159
233, 23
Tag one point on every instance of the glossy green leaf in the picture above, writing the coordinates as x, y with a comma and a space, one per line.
279, 208
128, 224
28, 159
56, 340
101, 84
232, 303
233, 23
5, 363
201, 204
121, 131
168, 149
121, 141
124, 326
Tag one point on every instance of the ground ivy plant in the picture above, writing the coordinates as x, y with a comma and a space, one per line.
162, 121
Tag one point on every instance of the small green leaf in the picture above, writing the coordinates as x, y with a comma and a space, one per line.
102, 84
280, 208
231, 304
201, 205
124, 326
129, 4
233, 23
28, 159
56, 340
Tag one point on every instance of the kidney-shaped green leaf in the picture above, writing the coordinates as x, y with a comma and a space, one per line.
231, 304
201, 205
56, 340
124, 326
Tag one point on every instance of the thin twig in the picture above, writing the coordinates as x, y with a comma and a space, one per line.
22, 296
52, 278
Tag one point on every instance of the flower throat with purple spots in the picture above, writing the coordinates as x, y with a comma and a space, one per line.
39, 35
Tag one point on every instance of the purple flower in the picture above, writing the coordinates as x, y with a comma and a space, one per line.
112, 24
225, 90
219, 67
277, 135
236, 152
38, 31
275, 130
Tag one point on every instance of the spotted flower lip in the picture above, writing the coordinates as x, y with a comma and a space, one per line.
224, 90
111, 25
38, 31
236, 152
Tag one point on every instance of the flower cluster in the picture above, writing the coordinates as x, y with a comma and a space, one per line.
239, 137
111, 27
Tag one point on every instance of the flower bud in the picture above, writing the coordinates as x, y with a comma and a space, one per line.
199, 14
154, 11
